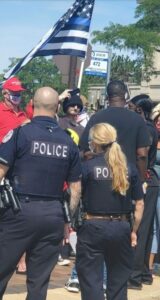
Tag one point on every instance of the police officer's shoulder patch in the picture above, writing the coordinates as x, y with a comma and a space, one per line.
8, 136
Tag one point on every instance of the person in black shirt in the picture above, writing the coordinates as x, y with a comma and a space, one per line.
141, 273
131, 128
143, 105
108, 185
72, 106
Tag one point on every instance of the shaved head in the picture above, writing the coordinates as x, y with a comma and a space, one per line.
45, 101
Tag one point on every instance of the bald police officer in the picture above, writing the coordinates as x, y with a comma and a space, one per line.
37, 158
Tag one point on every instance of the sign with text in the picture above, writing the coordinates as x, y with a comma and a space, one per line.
98, 65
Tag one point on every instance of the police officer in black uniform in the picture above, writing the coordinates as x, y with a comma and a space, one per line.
37, 158
141, 274
106, 234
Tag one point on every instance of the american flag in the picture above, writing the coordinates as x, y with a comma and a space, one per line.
69, 36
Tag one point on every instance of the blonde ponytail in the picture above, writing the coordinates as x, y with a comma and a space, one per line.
104, 135
118, 166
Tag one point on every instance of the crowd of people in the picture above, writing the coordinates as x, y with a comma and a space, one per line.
107, 163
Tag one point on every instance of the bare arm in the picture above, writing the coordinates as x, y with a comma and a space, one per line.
138, 214
75, 189
3, 171
65, 94
142, 155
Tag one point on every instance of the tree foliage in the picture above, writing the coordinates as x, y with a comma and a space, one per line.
125, 69
122, 68
42, 72
37, 73
142, 37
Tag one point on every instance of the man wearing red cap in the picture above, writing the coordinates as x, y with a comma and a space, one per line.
11, 115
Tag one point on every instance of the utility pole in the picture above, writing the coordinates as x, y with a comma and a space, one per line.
109, 66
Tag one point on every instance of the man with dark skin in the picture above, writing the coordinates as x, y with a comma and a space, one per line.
141, 274
132, 131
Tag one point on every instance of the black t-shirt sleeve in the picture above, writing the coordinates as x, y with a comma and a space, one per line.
84, 173
84, 176
143, 138
14, 146
84, 138
136, 184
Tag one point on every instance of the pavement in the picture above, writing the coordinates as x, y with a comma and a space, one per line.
17, 289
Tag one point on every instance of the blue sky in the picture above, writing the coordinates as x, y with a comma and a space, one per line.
24, 22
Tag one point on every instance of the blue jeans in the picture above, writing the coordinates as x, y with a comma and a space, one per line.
74, 275
156, 227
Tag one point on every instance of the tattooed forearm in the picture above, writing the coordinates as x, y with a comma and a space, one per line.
75, 189
138, 214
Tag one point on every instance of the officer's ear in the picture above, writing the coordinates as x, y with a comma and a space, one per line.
4, 92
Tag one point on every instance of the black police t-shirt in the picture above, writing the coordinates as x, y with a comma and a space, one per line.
131, 130
98, 195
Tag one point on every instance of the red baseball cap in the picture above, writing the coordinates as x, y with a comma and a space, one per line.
13, 84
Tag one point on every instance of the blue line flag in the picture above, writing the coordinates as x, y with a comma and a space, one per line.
69, 36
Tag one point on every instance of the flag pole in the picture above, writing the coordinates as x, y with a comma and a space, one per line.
81, 74
109, 66
72, 72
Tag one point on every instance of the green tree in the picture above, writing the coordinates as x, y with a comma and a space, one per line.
1, 77
123, 68
142, 37
37, 73
42, 72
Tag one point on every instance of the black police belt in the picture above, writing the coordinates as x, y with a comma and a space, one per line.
36, 198
108, 217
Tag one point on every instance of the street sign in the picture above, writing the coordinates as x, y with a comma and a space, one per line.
98, 65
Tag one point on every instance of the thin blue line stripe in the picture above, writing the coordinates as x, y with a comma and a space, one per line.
68, 40
76, 27
79, 21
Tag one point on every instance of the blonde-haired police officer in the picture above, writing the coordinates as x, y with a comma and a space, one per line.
108, 187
